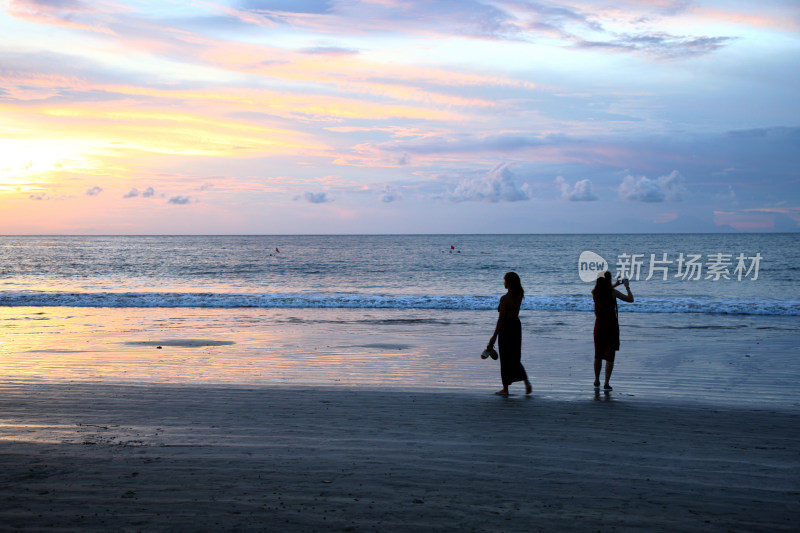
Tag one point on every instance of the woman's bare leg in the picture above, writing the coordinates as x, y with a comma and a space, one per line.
609, 369
598, 365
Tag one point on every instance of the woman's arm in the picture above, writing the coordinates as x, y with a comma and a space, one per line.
500, 317
625, 297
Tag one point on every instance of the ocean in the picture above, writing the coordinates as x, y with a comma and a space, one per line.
447, 272
715, 314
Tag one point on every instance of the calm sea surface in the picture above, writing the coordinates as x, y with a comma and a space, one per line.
731, 274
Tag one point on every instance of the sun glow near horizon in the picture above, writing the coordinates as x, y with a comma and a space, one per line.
416, 108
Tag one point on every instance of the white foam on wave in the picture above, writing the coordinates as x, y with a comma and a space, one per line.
583, 303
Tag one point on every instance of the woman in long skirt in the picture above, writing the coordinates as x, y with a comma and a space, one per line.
509, 333
606, 325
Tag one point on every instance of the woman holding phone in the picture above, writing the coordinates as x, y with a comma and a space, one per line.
606, 324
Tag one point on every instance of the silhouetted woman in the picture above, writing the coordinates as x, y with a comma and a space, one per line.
606, 325
509, 332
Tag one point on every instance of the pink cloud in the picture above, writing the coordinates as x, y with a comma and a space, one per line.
758, 219
791, 211
68, 13
662, 218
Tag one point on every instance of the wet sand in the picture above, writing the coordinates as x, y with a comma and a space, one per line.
146, 457
330, 420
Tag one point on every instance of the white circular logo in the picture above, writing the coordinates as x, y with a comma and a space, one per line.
590, 265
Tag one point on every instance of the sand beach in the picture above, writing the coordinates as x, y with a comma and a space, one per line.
89, 457
259, 420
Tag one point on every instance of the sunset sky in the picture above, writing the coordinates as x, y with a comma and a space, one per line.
399, 116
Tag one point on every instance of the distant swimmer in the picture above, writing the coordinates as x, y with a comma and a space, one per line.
277, 251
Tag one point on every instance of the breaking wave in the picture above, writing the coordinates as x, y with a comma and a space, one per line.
706, 305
